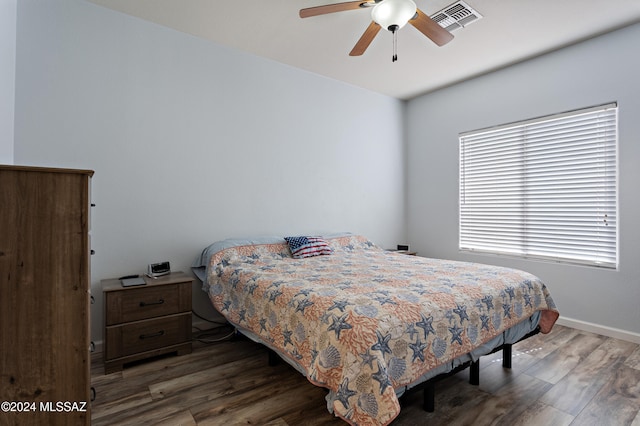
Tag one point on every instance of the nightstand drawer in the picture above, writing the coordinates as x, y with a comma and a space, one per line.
147, 302
140, 336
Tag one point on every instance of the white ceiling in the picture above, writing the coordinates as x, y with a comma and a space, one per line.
509, 32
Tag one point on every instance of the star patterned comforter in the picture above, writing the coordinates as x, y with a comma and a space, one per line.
364, 322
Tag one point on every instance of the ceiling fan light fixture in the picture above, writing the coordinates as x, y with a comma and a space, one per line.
393, 14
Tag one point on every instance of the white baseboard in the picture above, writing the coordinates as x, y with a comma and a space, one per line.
616, 333
98, 346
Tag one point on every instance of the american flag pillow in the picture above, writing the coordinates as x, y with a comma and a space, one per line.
307, 246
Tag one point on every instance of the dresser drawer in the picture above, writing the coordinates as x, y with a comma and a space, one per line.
147, 302
140, 336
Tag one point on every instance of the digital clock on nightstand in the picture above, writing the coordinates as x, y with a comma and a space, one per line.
158, 269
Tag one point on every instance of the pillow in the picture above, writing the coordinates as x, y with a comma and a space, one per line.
302, 247
208, 252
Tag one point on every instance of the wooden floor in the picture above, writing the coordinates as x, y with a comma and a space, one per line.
567, 377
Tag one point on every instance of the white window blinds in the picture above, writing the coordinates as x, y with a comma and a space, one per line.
544, 188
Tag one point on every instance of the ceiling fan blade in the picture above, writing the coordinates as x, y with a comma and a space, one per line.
331, 8
431, 28
365, 39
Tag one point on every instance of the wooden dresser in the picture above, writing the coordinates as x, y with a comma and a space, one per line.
146, 321
44, 296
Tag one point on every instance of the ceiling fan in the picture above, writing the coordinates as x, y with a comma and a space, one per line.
388, 14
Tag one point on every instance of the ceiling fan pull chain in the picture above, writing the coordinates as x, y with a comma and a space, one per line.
395, 45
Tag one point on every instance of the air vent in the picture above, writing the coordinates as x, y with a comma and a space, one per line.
456, 15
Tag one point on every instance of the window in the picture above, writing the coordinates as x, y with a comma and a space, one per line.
544, 188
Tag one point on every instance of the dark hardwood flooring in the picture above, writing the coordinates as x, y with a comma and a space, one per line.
568, 377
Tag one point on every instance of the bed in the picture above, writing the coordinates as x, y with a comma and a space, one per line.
366, 323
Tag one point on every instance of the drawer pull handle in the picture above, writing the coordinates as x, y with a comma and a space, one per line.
148, 336
159, 302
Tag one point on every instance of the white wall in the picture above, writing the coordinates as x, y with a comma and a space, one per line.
192, 142
594, 72
7, 78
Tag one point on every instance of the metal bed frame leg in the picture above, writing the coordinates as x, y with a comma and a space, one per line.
429, 403
506, 355
474, 373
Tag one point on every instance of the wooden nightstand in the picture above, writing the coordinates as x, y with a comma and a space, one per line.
146, 321
410, 253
